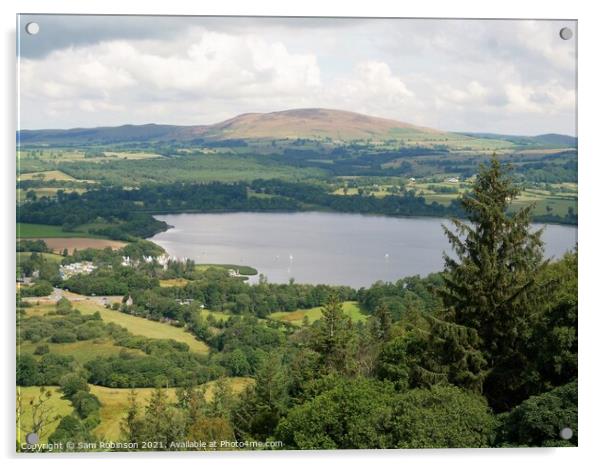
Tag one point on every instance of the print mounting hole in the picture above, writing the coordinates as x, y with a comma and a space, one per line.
566, 33
32, 28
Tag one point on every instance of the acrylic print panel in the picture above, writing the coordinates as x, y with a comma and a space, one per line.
263, 233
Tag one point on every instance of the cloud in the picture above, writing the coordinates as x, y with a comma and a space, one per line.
497, 76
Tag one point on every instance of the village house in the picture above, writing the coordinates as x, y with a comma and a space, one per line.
83, 267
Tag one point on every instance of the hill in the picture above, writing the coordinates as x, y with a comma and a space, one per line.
548, 140
298, 123
313, 123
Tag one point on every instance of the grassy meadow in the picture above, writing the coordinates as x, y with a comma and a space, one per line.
25, 230
141, 326
351, 309
134, 324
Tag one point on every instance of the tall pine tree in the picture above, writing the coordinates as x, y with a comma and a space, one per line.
333, 337
491, 285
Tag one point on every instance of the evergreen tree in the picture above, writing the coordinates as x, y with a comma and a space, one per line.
333, 337
163, 423
131, 425
380, 323
264, 403
491, 286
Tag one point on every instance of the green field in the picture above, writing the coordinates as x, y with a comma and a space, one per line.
351, 309
47, 175
134, 324
141, 326
556, 199
25, 230
217, 315
178, 282
24, 255
82, 351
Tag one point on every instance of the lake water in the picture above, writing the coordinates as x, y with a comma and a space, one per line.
327, 248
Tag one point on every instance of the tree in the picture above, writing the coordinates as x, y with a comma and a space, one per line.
42, 413
492, 286
162, 422
131, 425
27, 370
72, 429
72, 383
381, 323
354, 414
539, 420
554, 343
332, 336
441, 417
85, 403
264, 403
63, 306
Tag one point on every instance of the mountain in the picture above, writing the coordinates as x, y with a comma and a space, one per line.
297, 123
312, 123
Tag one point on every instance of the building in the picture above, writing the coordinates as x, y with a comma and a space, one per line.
83, 267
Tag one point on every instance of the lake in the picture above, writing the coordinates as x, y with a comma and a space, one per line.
323, 248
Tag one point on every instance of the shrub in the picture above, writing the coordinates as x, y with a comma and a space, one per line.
41, 349
62, 337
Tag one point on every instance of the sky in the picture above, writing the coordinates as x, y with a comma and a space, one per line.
500, 76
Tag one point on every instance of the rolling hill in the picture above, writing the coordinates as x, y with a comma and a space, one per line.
298, 123
314, 124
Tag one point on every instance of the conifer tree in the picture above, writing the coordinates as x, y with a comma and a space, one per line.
380, 323
333, 337
491, 285
131, 425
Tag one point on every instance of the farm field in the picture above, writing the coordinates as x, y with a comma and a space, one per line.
351, 309
25, 230
141, 326
136, 325
55, 175
114, 405
555, 199
81, 243
23, 255
218, 315
50, 192
179, 282
194, 168
82, 351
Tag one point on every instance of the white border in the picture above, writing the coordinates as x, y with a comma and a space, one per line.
590, 174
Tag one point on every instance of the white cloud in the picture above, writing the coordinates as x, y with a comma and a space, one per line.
498, 76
